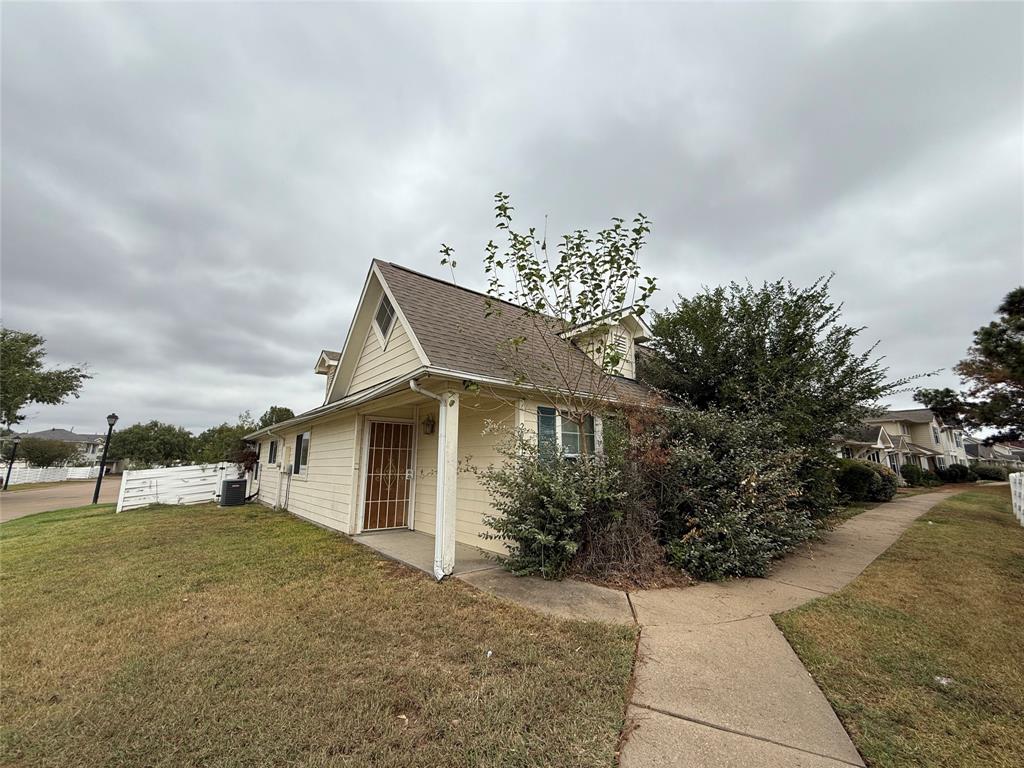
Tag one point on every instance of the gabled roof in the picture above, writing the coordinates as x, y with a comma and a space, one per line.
327, 361
458, 334
915, 415
64, 435
867, 435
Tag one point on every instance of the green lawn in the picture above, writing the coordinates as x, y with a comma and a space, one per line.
922, 656
245, 637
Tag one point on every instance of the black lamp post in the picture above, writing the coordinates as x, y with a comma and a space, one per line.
14, 452
111, 421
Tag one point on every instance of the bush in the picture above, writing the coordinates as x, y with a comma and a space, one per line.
957, 473
916, 476
541, 506
725, 490
860, 480
990, 472
854, 479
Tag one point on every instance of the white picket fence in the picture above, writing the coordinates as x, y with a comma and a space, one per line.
1017, 495
25, 474
192, 484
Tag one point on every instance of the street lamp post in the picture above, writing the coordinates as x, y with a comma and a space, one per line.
14, 453
111, 421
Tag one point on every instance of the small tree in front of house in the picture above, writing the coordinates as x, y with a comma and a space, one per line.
579, 292
47, 453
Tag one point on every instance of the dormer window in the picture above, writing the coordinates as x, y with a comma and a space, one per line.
384, 319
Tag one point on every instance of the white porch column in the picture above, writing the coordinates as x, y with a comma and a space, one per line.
447, 484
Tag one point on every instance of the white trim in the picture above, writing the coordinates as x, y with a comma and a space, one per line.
399, 313
366, 465
382, 338
348, 335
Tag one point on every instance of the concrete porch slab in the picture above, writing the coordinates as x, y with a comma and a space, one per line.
568, 599
417, 549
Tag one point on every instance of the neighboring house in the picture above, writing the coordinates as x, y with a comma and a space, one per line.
409, 408
914, 436
90, 447
999, 454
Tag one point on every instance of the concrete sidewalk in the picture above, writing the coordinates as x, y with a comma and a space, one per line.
718, 686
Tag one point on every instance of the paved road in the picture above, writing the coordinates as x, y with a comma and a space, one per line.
15, 504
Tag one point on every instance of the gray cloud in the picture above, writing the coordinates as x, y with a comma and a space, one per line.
192, 194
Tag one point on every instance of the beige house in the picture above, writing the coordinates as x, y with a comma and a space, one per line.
913, 436
415, 403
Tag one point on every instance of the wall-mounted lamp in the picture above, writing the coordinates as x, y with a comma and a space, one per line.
428, 425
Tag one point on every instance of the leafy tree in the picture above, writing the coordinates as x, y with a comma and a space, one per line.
274, 415
224, 442
994, 374
154, 443
47, 453
778, 352
580, 292
24, 380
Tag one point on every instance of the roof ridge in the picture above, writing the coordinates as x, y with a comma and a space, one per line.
459, 287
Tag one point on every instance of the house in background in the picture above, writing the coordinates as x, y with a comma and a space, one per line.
999, 454
415, 401
90, 447
914, 436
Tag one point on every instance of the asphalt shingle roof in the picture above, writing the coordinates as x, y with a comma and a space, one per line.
452, 325
916, 415
64, 435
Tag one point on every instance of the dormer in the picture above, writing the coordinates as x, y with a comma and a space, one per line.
619, 333
327, 365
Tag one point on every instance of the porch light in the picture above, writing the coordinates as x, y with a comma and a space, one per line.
429, 424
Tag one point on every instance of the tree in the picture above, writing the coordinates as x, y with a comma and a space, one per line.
775, 351
224, 442
154, 443
47, 453
274, 415
593, 280
994, 374
24, 380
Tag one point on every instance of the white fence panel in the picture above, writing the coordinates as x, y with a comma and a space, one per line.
83, 473
193, 484
22, 473
1017, 495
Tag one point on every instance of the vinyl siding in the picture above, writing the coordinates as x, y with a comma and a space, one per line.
323, 494
376, 365
477, 451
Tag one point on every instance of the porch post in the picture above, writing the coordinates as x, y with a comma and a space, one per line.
447, 479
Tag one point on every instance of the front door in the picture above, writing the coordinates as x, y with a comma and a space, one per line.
389, 470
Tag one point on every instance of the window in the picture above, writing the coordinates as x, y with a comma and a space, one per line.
555, 431
384, 319
935, 434
272, 453
894, 463
301, 454
256, 466
940, 462
957, 440
904, 428
846, 452
875, 456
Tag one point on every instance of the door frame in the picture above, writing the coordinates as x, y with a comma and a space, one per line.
410, 520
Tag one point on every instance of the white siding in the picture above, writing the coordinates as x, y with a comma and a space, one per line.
376, 365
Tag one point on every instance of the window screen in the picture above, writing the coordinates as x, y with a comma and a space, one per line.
272, 452
385, 316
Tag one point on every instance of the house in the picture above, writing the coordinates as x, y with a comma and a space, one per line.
414, 402
897, 437
997, 454
90, 447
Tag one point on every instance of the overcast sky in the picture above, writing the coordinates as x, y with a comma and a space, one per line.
192, 193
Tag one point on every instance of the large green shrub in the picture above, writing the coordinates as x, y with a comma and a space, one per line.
957, 473
854, 479
543, 505
725, 484
918, 477
990, 472
860, 480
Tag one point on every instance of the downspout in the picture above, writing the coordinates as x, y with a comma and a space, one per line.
439, 528
280, 465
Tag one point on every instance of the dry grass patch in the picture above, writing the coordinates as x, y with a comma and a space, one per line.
242, 636
921, 656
